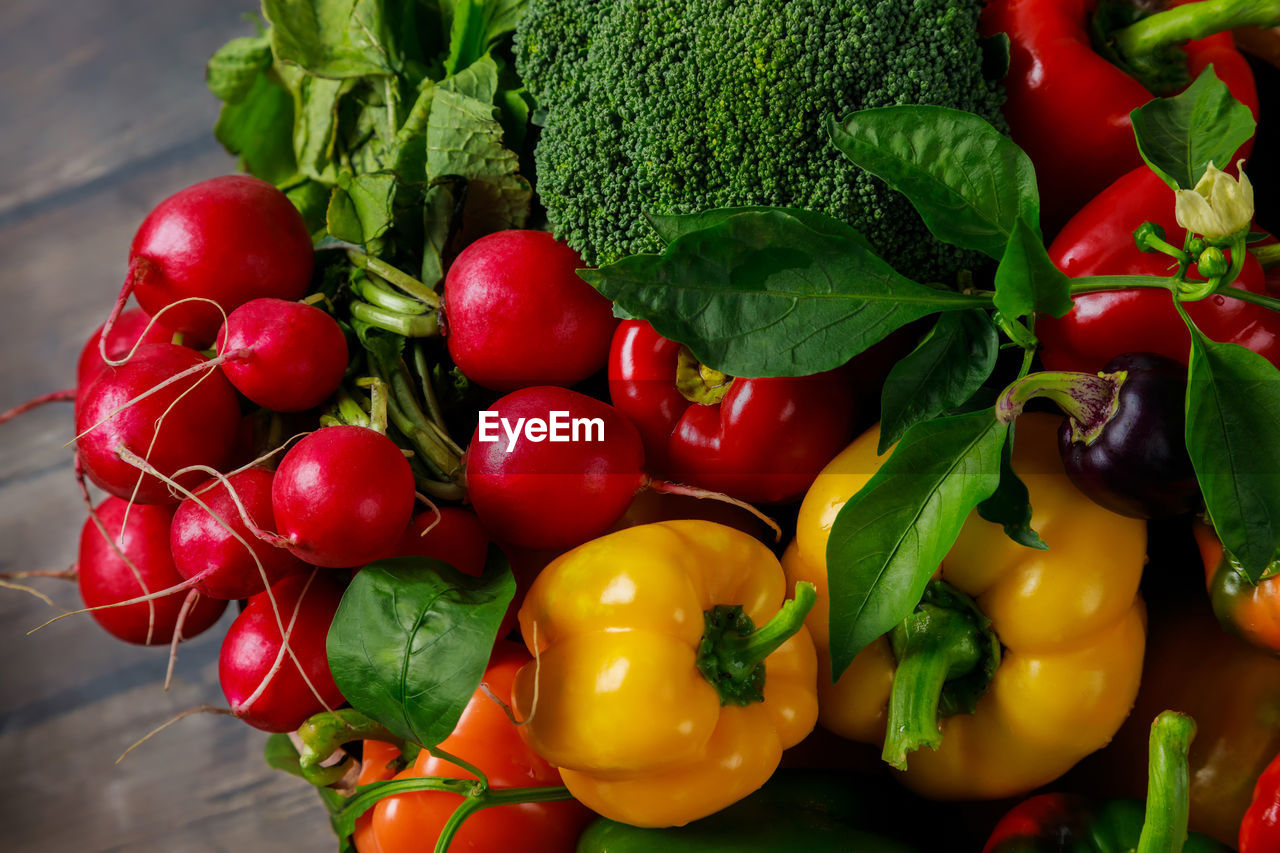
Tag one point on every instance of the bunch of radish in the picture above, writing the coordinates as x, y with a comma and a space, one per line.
236, 329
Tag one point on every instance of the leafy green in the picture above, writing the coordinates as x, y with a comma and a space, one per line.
970, 183
360, 207
256, 129
232, 71
1233, 437
942, 372
1026, 280
1010, 506
411, 640
477, 25
890, 537
765, 293
1181, 135
330, 38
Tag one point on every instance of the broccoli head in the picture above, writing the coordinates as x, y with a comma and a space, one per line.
675, 106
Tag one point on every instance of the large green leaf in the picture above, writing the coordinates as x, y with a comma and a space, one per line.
1026, 280
1179, 136
231, 72
330, 38
890, 537
970, 183
944, 371
762, 292
257, 127
411, 640
1233, 436
360, 207
1010, 506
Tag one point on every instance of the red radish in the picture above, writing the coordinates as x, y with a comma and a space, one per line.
206, 549
517, 314
540, 493
192, 421
457, 537
126, 332
284, 356
228, 239
448, 533
260, 679
108, 576
343, 496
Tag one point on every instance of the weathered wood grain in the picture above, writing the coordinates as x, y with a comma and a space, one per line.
103, 113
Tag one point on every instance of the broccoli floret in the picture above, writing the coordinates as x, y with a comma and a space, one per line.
675, 106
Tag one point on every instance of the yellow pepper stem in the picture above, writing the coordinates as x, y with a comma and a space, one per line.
1168, 784
945, 645
732, 652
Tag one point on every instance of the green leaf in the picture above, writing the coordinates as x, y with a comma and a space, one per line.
763, 293
943, 371
315, 121
477, 25
671, 227
257, 129
411, 640
338, 39
360, 207
891, 536
1233, 437
437, 218
312, 200
231, 71
1010, 506
281, 754
1179, 136
1027, 281
970, 183
464, 139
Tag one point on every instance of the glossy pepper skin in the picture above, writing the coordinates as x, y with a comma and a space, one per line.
809, 811
1070, 620
1260, 829
1068, 107
1247, 610
763, 442
639, 735
1099, 241
409, 823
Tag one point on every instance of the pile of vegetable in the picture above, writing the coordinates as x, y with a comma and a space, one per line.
593, 407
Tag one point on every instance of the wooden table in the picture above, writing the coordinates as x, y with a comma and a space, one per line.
103, 113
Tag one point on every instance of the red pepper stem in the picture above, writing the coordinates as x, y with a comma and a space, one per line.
933, 645
1089, 399
1192, 21
1168, 784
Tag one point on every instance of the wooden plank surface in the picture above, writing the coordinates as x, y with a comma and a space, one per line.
103, 112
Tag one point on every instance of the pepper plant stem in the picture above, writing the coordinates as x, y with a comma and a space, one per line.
1194, 21
1168, 784
933, 645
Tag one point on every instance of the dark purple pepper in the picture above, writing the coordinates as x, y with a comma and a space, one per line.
1123, 442
1137, 463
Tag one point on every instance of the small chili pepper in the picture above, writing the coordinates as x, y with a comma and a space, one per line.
1249, 611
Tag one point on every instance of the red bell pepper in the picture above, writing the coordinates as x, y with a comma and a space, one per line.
1099, 241
1260, 829
1068, 106
759, 440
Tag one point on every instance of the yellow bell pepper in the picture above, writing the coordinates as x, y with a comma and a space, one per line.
1069, 620
653, 690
